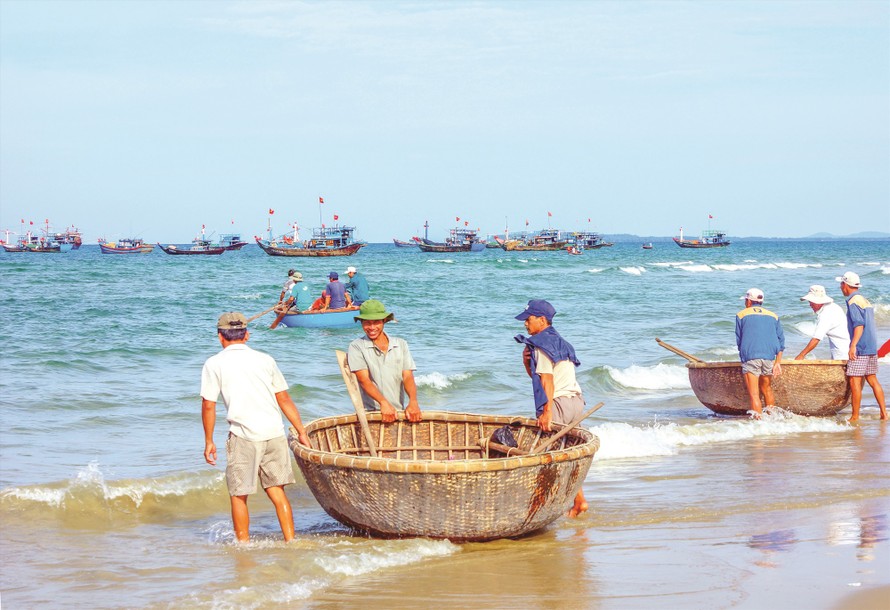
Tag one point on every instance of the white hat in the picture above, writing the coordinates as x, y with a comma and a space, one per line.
817, 295
350, 270
850, 279
754, 294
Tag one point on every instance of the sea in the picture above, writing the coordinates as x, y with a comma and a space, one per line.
106, 500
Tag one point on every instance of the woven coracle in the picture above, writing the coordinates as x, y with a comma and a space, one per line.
432, 479
805, 387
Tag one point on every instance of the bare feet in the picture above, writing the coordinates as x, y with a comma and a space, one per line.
580, 506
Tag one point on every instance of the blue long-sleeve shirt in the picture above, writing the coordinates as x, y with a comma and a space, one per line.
861, 313
758, 334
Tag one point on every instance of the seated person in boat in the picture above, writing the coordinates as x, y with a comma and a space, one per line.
383, 365
335, 295
862, 366
357, 286
550, 361
255, 394
761, 341
831, 322
298, 298
285, 290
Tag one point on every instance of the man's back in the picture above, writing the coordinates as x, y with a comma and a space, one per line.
759, 334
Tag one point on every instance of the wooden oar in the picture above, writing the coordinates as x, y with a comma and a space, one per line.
487, 443
677, 351
353, 390
565, 430
261, 314
280, 317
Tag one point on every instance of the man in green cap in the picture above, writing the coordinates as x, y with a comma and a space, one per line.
383, 365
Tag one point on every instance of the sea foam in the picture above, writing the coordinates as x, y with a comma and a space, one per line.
620, 440
659, 377
439, 381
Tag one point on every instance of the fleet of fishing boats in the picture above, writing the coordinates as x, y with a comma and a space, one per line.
339, 240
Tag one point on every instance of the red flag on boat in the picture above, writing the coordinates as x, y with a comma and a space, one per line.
271, 211
321, 200
203, 227
457, 219
709, 216
466, 223
336, 217
526, 222
549, 213
588, 220
233, 221
322, 225
31, 221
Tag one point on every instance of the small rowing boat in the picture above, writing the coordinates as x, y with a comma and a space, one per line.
341, 318
436, 479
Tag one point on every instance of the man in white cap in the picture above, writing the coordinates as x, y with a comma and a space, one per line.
761, 341
255, 394
863, 354
831, 322
357, 286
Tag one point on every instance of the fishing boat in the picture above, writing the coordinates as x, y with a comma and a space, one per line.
125, 246
32, 243
404, 244
588, 240
576, 250
205, 248
438, 478
231, 241
540, 241
648, 246
325, 241
69, 239
709, 239
341, 318
458, 240
805, 387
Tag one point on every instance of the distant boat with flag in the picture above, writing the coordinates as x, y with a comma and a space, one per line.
404, 244
458, 240
709, 239
125, 246
201, 246
28, 241
337, 240
545, 240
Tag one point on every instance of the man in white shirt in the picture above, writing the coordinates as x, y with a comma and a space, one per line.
255, 394
831, 322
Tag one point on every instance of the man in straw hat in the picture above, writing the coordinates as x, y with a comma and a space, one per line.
761, 341
863, 353
550, 361
255, 394
383, 365
831, 322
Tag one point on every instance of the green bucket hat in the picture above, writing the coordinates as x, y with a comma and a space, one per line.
373, 310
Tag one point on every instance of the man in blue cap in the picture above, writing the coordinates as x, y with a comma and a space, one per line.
550, 361
335, 295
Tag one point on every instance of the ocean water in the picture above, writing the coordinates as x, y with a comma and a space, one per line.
106, 501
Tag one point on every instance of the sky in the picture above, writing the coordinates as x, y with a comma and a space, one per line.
152, 118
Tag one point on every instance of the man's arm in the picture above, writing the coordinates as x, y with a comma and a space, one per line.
413, 409
857, 334
287, 406
387, 411
546, 417
208, 417
810, 347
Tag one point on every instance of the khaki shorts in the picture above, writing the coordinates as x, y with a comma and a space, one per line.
567, 409
759, 366
250, 461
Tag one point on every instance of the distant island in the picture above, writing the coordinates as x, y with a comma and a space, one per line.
628, 237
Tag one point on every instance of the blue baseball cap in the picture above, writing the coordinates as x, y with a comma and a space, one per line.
538, 307
333, 276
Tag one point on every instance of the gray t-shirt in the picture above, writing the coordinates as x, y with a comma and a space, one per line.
385, 368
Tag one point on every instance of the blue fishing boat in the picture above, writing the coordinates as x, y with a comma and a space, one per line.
342, 318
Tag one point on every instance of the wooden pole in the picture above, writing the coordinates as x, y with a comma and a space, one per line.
566, 429
261, 314
354, 393
677, 351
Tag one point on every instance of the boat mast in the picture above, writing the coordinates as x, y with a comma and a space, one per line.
426, 229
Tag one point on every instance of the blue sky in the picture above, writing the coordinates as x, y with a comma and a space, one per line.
152, 118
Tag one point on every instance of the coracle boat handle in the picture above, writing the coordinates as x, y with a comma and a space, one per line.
566, 429
677, 351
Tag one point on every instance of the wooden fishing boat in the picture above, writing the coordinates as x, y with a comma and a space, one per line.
805, 387
588, 240
341, 318
325, 241
404, 244
433, 479
648, 246
546, 240
231, 241
709, 239
125, 246
201, 248
458, 240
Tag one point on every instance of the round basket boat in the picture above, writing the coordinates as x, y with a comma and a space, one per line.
805, 387
433, 479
